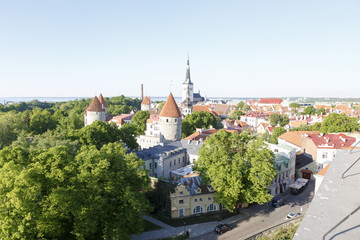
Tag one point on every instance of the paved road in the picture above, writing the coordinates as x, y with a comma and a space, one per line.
265, 217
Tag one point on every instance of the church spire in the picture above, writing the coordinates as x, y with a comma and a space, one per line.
187, 78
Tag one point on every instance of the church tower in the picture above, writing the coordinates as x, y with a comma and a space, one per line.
188, 86
170, 121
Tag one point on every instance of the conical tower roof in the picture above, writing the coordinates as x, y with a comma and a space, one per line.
170, 108
102, 100
146, 101
95, 105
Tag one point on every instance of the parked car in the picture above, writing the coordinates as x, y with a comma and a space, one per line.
221, 228
292, 215
278, 201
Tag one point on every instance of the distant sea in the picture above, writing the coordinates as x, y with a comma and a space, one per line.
64, 99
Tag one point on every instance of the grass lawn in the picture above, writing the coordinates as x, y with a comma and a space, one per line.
149, 226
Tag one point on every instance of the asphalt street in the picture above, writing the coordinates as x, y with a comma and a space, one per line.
266, 216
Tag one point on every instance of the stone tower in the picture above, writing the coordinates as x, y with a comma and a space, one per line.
188, 86
170, 121
187, 106
95, 111
146, 104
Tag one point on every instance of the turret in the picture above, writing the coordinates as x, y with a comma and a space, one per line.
170, 121
95, 111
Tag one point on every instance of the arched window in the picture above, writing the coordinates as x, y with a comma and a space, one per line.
211, 208
198, 209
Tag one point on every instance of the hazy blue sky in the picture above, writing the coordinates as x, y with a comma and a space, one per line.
237, 48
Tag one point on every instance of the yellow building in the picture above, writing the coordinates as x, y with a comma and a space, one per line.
193, 198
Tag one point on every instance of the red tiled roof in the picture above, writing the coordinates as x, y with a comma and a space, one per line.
294, 137
270, 101
95, 106
102, 100
332, 141
170, 108
146, 101
198, 108
196, 136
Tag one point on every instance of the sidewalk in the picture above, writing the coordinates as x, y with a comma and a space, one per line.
195, 230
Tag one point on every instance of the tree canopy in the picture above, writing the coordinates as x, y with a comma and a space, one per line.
236, 115
139, 120
276, 133
309, 110
238, 166
199, 119
278, 119
56, 194
334, 123
11, 125
294, 105
242, 107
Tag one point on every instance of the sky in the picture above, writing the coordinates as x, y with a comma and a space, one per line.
256, 48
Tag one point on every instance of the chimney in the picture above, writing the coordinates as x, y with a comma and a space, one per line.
142, 92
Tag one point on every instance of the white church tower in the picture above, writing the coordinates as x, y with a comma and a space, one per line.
188, 86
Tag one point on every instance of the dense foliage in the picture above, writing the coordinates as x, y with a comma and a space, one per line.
236, 115
198, 120
61, 180
278, 120
276, 133
334, 123
238, 166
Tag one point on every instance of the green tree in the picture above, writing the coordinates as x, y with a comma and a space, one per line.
41, 121
321, 111
309, 110
294, 105
98, 134
128, 133
139, 120
276, 133
236, 115
246, 108
11, 125
238, 167
52, 194
198, 120
240, 105
278, 119
334, 123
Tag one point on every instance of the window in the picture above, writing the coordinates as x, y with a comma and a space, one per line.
324, 155
196, 200
179, 160
211, 208
175, 119
174, 162
276, 150
156, 175
183, 159
170, 163
155, 165
181, 192
181, 212
181, 201
150, 165
200, 199
209, 198
198, 209
167, 120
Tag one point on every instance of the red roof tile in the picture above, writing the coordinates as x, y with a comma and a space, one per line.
95, 106
270, 101
146, 101
170, 108
332, 141
102, 100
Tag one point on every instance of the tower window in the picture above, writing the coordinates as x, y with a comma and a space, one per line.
167, 120
175, 119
